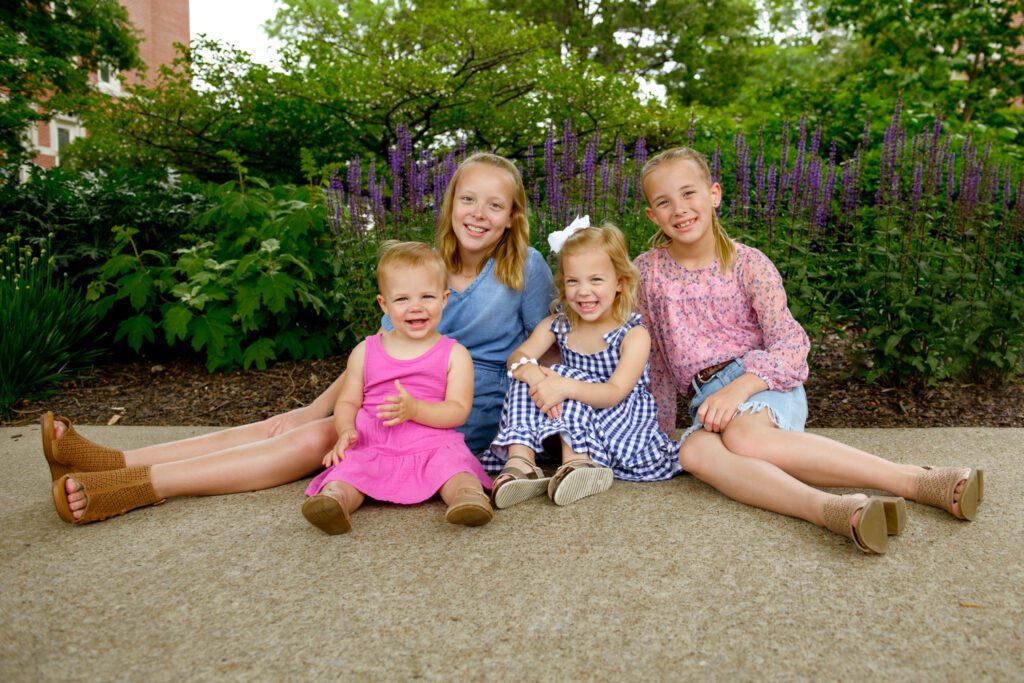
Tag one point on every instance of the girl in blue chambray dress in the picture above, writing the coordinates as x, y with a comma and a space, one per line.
597, 399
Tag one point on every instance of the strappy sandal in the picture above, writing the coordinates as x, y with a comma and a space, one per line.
108, 494
578, 479
871, 533
327, 514
513, 486
469, 507
73, 452
936, 486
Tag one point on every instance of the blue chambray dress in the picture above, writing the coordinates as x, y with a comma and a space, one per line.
624, 437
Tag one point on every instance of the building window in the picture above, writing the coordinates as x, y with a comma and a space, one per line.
63, 137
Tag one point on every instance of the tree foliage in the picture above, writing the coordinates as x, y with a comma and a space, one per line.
47, 50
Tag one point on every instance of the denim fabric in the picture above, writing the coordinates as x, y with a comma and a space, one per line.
491, 320
787, 409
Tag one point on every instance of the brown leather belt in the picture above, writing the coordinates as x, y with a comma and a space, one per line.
704, 376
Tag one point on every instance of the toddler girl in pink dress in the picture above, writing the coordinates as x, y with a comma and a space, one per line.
404, 392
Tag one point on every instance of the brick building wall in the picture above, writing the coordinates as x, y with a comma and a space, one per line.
161, 24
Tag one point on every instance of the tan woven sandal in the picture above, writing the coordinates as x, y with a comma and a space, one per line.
895, 513
327, 513
513, 486
871, 534
936, 486
73, 452
578, 479
108, 494
470, 507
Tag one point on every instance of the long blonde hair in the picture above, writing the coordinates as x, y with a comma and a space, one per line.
611, 240
725, 250
510, 252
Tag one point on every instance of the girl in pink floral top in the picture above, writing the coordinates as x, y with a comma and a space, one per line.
723, 336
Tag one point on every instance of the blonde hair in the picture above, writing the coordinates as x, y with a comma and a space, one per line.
510, 252
395, 255
725, 250
609, 239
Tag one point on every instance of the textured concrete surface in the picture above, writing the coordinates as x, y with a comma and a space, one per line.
645, 582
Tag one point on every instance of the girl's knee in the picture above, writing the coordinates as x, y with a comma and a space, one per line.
694, 452
745, 434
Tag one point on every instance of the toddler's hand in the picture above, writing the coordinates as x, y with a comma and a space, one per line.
397, 409
549, 393
718, 409
346, 439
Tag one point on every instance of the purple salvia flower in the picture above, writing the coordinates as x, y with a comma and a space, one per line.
355, 194
528, 176
335, 196
825, 206
590, 172
606, 191
769, 202
815, 141
639, 159
915, 197
759, 168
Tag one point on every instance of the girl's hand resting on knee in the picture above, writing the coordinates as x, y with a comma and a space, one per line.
718, 409
346, 439
397, 409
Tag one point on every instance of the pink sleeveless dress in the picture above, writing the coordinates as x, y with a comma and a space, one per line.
409, 462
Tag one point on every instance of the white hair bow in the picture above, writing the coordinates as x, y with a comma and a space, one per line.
556, 240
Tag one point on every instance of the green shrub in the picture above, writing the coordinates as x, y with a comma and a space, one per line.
47, 326
264, 287
80, 209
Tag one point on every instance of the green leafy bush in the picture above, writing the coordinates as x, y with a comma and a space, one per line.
47, 326
264, 287
80, 209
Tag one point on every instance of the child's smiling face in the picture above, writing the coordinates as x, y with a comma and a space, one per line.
681, 203
482, 208
591, 283
413, 299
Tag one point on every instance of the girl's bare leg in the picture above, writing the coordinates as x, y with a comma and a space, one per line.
815, 459
249, 467
349, 496
750, 480
185, 449
462, 480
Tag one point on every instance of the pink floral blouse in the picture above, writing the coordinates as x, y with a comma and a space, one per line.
699, 318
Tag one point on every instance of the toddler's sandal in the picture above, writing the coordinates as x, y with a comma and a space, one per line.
327, 514
578, 479
470, 507
512, 486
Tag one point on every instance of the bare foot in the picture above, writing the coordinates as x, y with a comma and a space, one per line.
77, 499
959, 490
58, 429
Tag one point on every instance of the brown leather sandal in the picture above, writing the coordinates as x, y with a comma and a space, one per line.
936, 486
870, 534
73, 452
327, 513
108, 494
578, 479
469, 507
513, 486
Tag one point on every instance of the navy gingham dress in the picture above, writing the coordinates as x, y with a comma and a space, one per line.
624, 437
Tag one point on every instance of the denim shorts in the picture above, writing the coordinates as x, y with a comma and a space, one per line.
786, 409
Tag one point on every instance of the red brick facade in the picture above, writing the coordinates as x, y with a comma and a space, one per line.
161, 24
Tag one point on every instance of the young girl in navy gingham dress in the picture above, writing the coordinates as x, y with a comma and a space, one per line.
596, 399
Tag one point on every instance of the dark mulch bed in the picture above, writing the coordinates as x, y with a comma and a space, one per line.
182, 392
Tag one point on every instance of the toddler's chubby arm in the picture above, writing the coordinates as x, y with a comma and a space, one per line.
633, 355
535, 346
449, 413
347, 404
